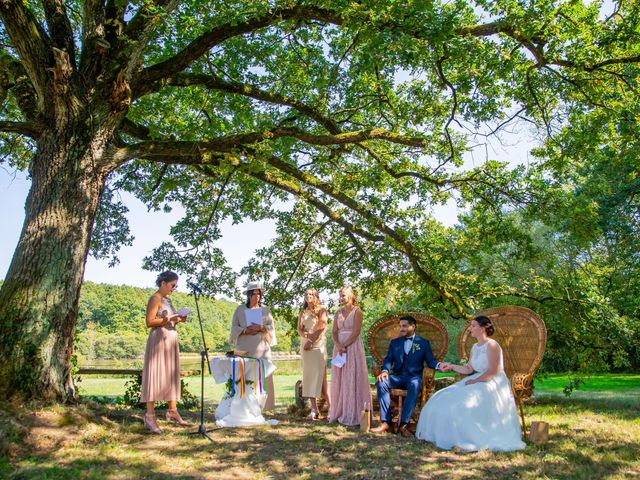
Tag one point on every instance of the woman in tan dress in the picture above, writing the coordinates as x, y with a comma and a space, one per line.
255, 339
312, 323
161, 371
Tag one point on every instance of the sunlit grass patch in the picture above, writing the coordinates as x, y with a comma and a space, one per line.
590, 438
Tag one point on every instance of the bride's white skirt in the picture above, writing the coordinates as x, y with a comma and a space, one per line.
482, 416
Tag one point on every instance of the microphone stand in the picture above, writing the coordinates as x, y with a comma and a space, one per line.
203, 354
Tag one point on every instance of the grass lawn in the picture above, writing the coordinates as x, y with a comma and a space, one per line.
594, 434
619, 387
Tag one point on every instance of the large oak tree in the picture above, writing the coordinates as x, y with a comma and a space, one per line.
346, 122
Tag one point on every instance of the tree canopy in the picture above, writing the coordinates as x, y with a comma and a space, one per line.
346, 123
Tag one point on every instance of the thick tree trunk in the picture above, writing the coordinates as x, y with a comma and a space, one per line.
39, 299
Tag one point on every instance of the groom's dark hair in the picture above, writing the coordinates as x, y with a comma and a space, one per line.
408, 318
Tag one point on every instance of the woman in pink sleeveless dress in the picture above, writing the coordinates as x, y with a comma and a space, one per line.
161, 370
350, 391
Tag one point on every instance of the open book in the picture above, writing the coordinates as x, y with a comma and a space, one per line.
253, 316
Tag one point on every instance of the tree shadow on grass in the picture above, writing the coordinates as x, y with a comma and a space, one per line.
116, 445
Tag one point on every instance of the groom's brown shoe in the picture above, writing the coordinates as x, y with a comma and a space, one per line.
383, 427
404, 431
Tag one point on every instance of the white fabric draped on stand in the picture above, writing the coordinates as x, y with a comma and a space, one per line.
242, 407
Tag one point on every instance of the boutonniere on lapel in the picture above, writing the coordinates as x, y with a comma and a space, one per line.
415, 347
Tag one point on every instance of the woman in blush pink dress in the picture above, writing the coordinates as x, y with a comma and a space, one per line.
350, 391
161, 370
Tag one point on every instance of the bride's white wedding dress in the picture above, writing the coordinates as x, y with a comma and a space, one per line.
481, 416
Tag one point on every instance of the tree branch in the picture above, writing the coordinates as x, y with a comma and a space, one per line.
536, 46
14, 78
504, 27
213, 82
31, 42
60, 29
148, 13
230, 142
133, 129
94, 44
32, 130
302, 254
206, 41
399, 242
201, 153
454, 107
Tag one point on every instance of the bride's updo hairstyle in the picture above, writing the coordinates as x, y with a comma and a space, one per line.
485, 323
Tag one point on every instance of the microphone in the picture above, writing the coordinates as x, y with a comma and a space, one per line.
195, 288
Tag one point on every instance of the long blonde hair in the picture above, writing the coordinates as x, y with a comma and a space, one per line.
354, 296
314, 308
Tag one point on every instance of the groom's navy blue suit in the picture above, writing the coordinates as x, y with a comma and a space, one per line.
405, 371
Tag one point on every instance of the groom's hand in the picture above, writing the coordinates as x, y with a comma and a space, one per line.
383, 376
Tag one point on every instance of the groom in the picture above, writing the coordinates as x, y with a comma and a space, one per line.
402, 368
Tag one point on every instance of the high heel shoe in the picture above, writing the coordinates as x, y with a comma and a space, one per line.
174, 416
313, 415
151, 424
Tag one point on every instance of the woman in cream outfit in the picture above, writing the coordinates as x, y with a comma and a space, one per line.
312, 323
256, 340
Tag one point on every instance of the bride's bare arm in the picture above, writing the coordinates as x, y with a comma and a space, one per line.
493, 355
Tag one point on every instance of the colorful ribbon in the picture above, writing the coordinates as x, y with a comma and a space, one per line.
259, 374
241, 363
233, 377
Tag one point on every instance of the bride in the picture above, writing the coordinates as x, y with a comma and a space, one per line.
479, 412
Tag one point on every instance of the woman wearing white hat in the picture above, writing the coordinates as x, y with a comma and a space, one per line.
252, 331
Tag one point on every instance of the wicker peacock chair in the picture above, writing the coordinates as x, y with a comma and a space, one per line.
523, 337
386, 329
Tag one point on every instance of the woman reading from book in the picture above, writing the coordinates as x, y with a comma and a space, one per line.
161, 370
253, 332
